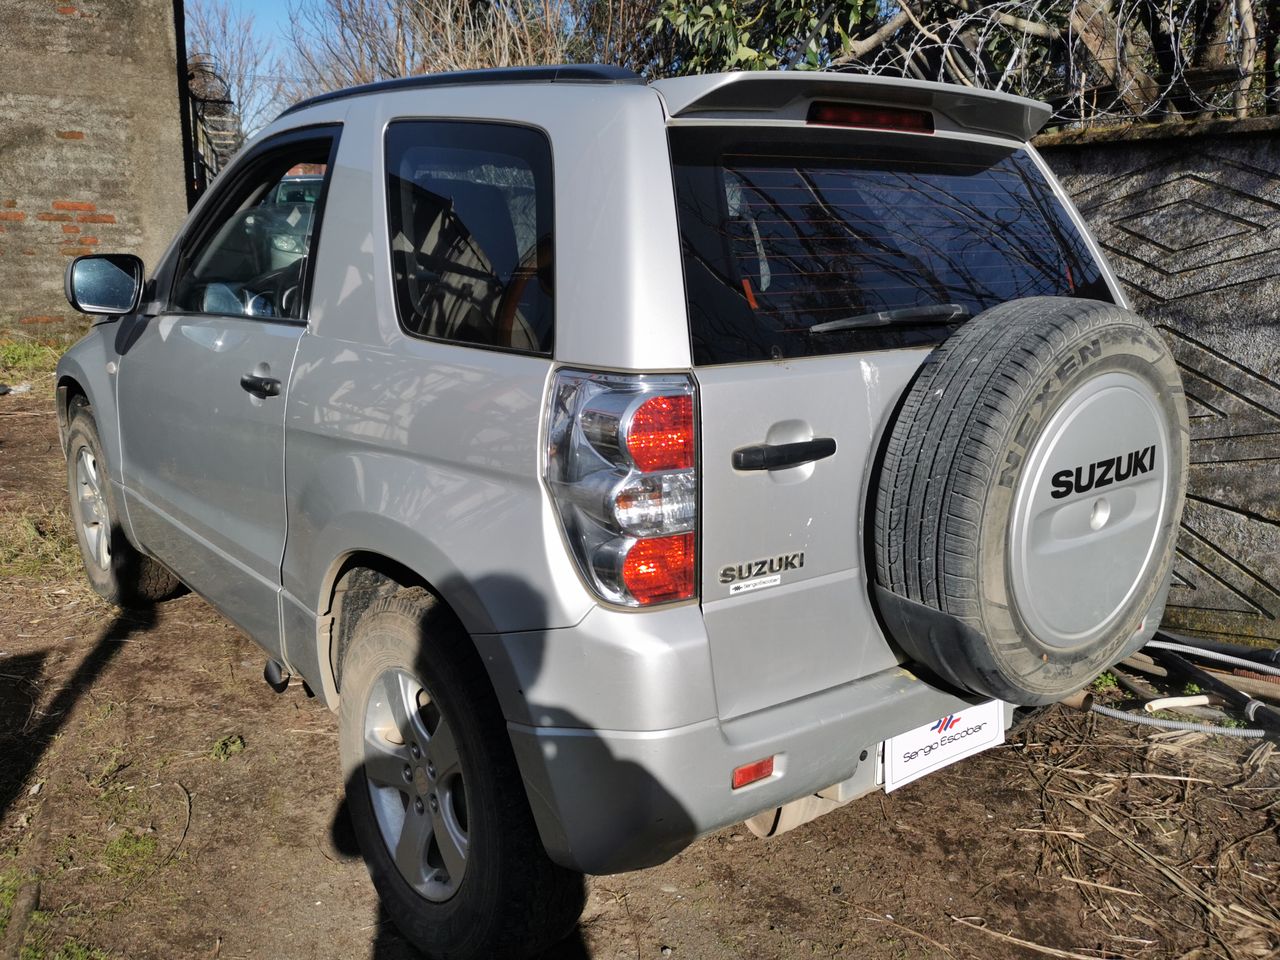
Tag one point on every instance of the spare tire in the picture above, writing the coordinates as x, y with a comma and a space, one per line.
1029, 498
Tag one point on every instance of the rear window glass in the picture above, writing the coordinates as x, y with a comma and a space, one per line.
469, 214
842, 242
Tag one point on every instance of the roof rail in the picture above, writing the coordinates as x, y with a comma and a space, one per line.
564, 73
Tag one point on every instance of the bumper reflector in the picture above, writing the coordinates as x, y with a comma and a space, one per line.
750, 773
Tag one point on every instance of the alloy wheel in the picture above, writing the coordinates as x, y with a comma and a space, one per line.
416, 786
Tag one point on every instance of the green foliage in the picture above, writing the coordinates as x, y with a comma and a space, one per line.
74, 950
26, 358
1105, 683
129, 854
228, 747
37, 940
756, 34
10, 881
1060, 52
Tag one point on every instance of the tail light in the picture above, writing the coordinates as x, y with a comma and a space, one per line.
621, 468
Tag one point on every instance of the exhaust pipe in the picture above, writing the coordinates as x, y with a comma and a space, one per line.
274, 674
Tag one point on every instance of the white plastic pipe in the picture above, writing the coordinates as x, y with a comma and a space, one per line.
1172, 703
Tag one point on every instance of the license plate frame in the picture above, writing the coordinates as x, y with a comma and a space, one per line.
932, 746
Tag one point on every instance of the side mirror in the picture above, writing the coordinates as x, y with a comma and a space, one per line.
107, 283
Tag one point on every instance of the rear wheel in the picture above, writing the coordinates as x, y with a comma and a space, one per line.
435, 797
115, 568
1031, 492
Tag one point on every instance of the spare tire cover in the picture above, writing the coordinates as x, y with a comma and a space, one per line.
1030, 493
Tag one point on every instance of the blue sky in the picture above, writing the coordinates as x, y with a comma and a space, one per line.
271, 17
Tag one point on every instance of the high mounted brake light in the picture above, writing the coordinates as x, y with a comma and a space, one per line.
868, 117
621, 468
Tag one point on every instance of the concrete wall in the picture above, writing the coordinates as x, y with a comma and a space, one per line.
90, 145
1190, 219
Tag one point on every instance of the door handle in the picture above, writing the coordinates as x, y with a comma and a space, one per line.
776, 456
260, 386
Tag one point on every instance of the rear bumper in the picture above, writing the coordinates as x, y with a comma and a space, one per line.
608, 801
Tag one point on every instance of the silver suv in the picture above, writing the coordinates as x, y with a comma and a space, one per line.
620, 460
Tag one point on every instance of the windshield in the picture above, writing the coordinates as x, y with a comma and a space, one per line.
791, 244
298, 190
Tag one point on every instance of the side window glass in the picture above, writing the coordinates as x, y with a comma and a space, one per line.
470, 210
251, 258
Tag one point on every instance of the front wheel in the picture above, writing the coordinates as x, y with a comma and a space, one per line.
435, 796
115, 568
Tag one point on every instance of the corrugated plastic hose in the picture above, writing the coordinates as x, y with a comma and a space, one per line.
1248, 734
1253, 665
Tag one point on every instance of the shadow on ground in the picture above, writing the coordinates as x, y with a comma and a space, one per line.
389, 945
26, 730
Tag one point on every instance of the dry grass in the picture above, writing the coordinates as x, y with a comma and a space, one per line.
1171, 836
38, 543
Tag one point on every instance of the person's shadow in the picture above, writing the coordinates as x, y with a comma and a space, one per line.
23, 742
638, 794
390, 945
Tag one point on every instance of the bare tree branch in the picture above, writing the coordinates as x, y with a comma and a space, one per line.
860, 48
225, 36
1248, 54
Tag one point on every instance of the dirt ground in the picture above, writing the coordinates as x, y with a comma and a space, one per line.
157, 800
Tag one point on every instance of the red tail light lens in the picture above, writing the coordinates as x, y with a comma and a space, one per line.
876, 118
660, 435
660, 568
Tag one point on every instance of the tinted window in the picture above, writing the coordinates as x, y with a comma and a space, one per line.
781, 235
470, 224
250, 258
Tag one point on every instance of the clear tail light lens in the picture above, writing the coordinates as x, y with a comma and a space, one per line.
621, 469
652, 504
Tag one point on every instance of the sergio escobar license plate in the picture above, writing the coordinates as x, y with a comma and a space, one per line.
932, 746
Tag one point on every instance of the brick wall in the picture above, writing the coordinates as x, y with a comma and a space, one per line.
1189, 216
90, 145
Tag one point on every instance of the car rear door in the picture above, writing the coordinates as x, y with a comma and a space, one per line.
202, 386
821, 266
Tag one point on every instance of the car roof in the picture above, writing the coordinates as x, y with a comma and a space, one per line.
564, 73
743, 93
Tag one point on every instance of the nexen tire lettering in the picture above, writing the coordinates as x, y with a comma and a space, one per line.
1103, 473
943, 741
1085, 354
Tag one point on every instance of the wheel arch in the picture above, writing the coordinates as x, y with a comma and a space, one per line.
352, 584
66, 392
353, 581
87, 370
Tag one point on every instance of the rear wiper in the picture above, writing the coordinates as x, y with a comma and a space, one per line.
937, 313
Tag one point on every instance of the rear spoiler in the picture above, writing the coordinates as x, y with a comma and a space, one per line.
787, 96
